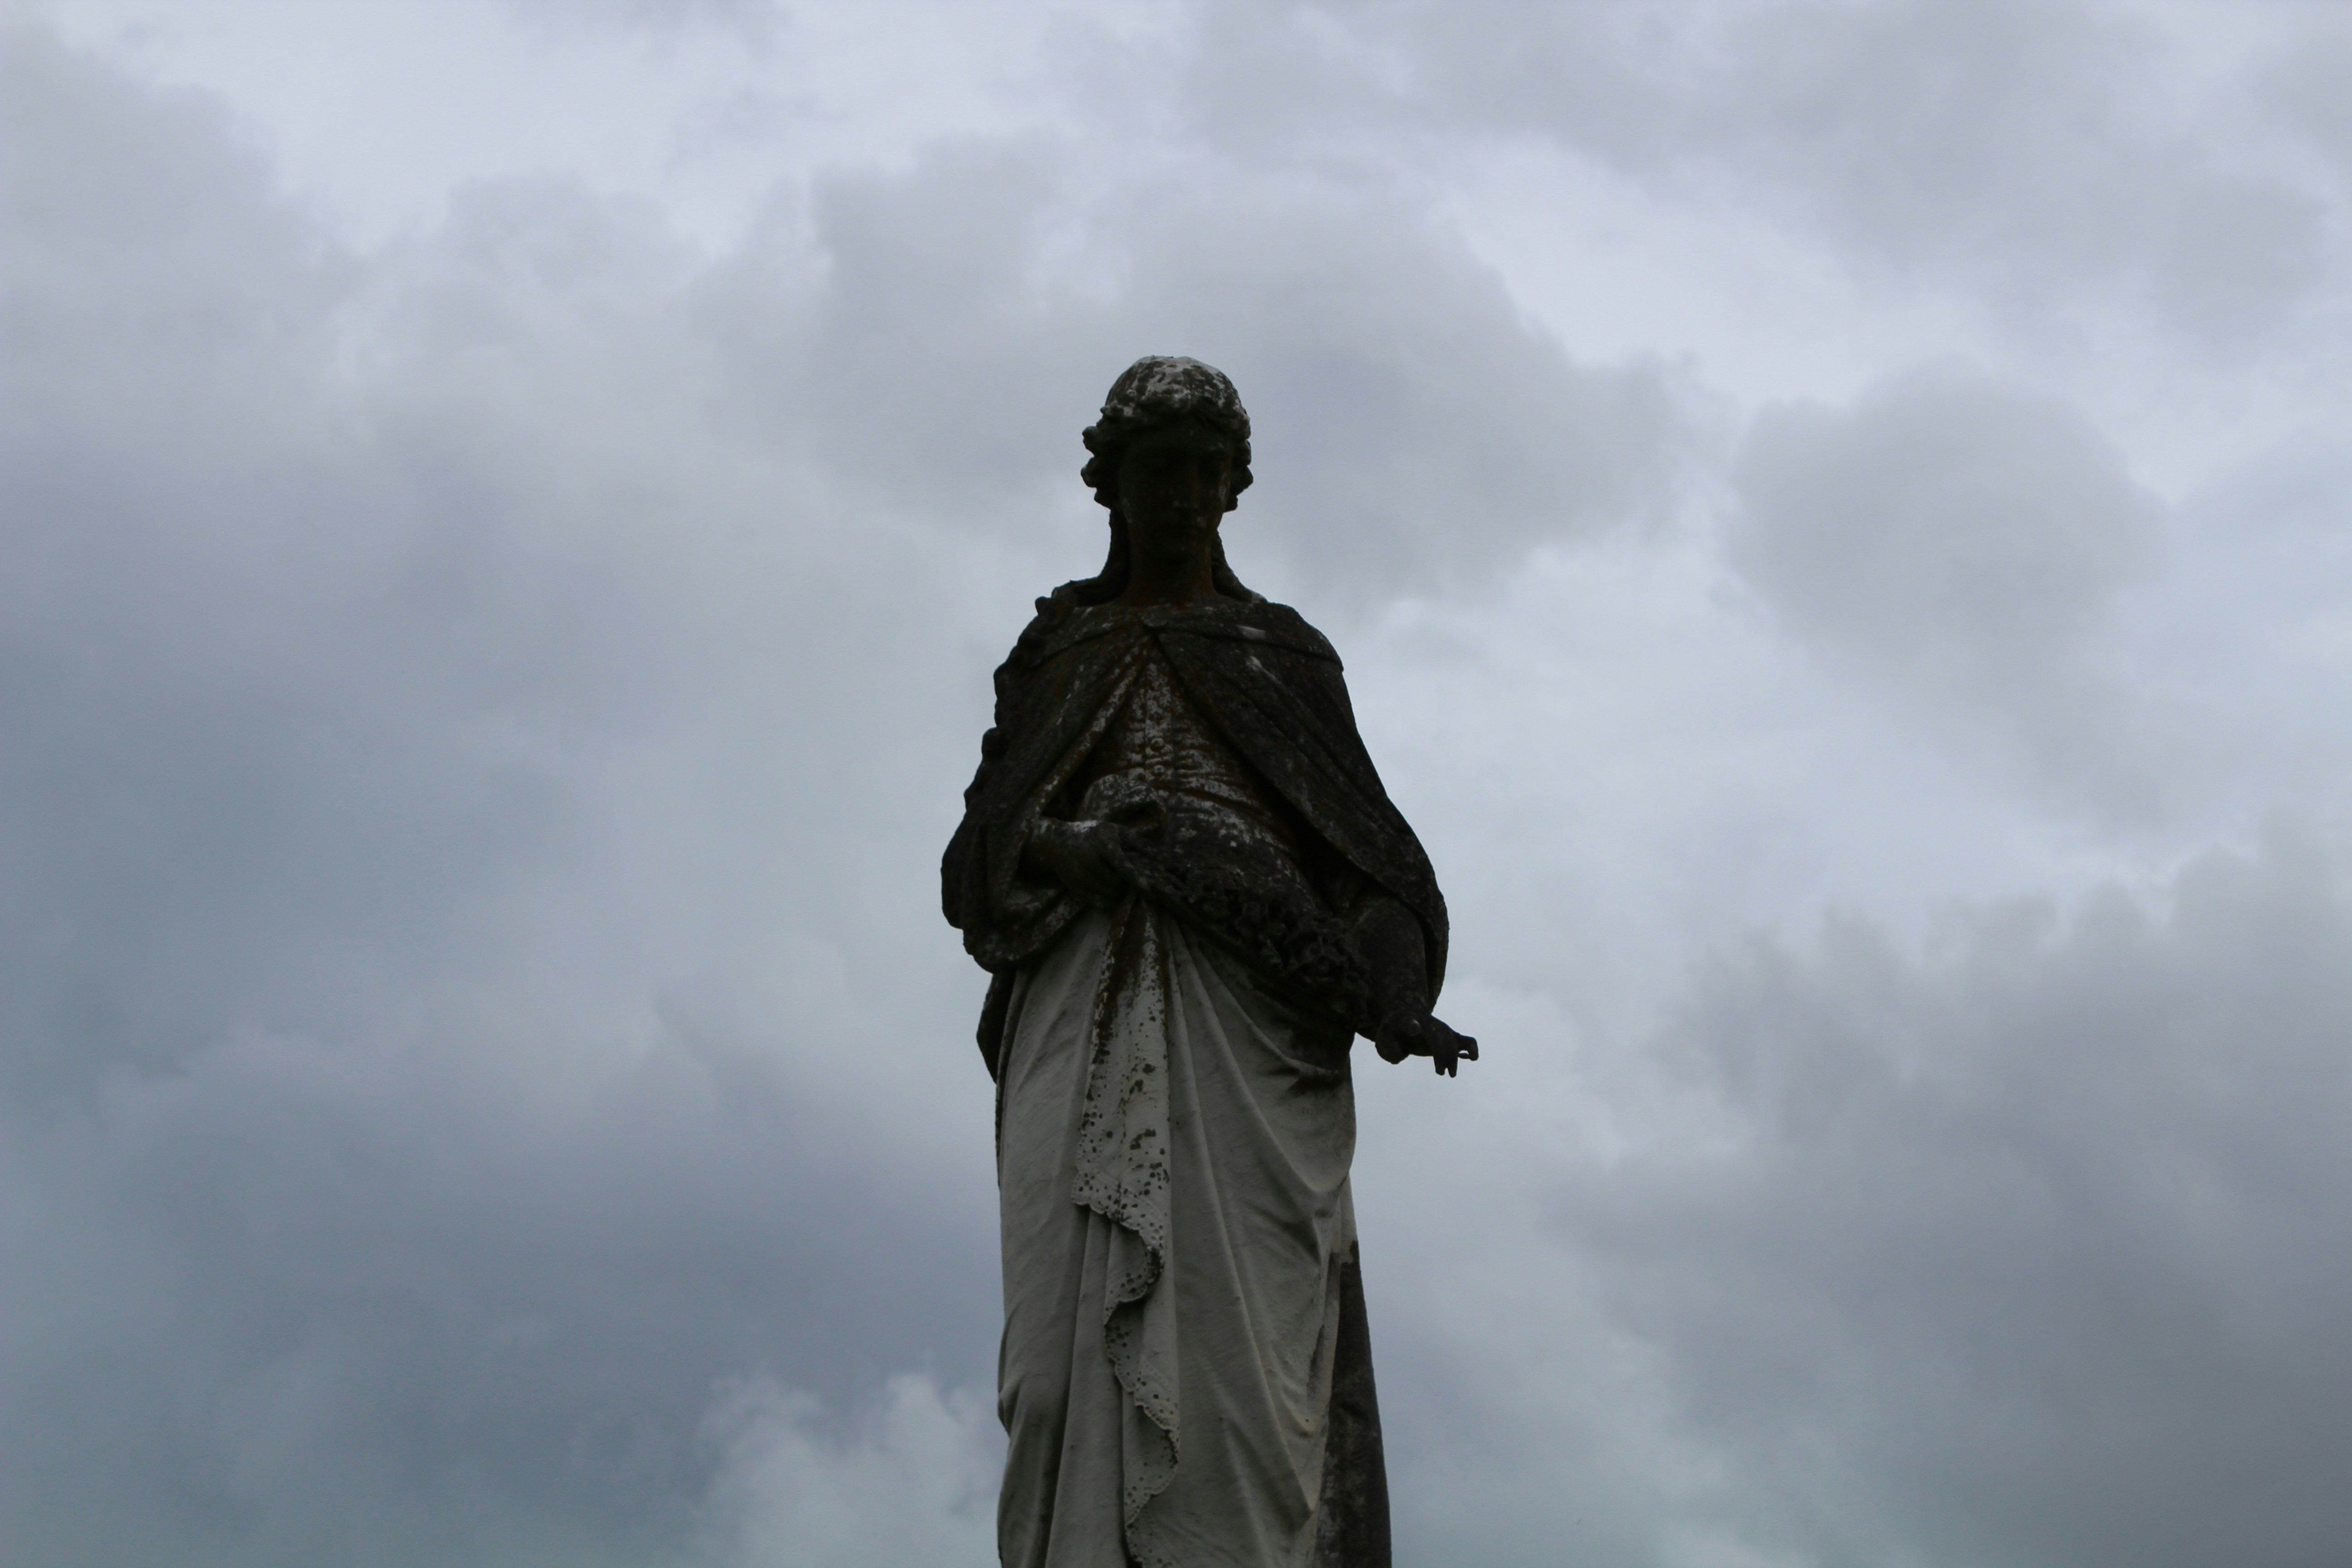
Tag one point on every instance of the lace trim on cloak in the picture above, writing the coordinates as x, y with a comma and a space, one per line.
1123, 1175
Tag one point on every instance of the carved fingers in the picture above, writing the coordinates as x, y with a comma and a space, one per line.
1423, 1034
1088, 859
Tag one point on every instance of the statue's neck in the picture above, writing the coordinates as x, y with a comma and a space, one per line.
1170, 578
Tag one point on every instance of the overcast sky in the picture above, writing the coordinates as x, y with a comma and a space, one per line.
1839, 513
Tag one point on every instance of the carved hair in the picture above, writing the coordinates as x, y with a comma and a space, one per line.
1156, 392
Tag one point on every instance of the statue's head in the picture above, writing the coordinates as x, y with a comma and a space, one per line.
1158, 399
1161, 394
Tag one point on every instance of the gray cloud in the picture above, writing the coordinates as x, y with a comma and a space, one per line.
405, 1157
2050, 159
1962, 541
2022, 1234
380, 1304
759, 24
2024, 143
1414, 430
2295, 84
482, 1058
2002, 1247
482, 1080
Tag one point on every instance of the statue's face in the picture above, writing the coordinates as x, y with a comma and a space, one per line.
1174, 488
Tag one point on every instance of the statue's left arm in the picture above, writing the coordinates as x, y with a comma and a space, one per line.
1390, 937
1283, 700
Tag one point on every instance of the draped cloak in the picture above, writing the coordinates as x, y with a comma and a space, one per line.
1249, 972
1271, 686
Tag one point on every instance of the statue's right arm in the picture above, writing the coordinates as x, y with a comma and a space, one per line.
1083, 857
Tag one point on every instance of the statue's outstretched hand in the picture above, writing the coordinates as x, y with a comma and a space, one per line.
1424, 1034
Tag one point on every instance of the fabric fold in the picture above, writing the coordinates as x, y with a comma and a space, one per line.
1123, 1175
1179, 1236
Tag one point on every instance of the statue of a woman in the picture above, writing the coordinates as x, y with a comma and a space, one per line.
1179, 866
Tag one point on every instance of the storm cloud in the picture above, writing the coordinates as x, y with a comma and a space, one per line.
506, 518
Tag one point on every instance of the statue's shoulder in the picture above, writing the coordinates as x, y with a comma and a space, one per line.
1064, 619
1264, 622
1067, 619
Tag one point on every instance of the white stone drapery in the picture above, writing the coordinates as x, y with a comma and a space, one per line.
1173, 1146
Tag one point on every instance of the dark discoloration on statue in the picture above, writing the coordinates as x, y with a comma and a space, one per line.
1174, 763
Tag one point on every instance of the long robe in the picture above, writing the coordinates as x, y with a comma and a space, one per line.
1185, 1375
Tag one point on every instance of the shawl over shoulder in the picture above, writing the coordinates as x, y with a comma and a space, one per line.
1270, 685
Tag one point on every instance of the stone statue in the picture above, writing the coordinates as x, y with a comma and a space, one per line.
1179, 866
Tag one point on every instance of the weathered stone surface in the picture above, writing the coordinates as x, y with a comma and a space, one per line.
1177, 757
